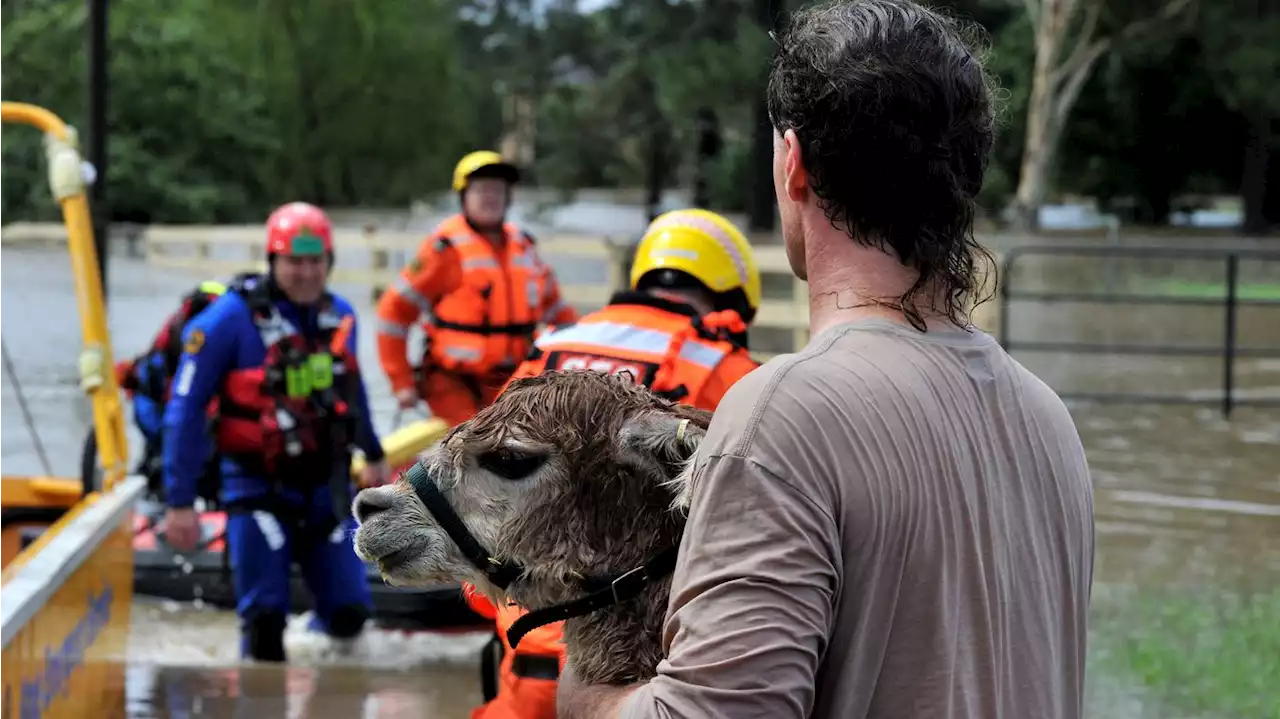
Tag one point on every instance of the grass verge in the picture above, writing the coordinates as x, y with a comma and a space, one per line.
1189, 653
1212, 290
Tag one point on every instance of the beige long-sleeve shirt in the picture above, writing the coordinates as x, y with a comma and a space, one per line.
886, 524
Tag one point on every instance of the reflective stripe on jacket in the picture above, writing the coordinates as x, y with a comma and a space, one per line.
664, 345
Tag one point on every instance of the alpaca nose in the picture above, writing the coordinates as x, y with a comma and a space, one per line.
369, 502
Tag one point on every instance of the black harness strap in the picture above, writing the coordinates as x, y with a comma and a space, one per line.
602, 591
500, 573
610, 591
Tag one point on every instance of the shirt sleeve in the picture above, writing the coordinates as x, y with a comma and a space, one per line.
434, 272
209, 348
751, 603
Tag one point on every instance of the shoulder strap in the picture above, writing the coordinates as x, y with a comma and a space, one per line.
328, 318
252, 286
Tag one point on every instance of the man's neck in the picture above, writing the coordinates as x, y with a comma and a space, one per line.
849, 282
496, 235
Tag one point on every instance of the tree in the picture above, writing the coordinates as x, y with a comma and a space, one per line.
1070, 37
1242, 53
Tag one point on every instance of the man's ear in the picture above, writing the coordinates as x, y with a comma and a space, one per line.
660, 442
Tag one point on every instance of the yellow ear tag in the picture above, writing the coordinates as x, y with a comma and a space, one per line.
684, 425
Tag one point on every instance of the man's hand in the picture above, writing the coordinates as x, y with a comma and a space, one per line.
407, 398
374, 474
181, 528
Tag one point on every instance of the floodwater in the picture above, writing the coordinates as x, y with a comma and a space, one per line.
1183, 495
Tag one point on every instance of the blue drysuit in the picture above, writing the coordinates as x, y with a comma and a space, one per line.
261, 544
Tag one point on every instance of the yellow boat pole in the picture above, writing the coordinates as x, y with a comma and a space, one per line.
97, 375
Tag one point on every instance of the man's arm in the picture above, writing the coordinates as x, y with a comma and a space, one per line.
434, 272
208, 349
751, 603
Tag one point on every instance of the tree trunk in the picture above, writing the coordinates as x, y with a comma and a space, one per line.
708, 150
1033, 174
1253, 184
1271, 196
1037, 152
762, 202
1056, 82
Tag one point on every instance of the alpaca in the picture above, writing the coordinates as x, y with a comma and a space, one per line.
567, 482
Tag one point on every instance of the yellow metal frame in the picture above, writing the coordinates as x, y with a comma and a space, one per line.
96, 376
67, 596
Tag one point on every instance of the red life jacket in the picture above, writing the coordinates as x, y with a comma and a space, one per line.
291, 418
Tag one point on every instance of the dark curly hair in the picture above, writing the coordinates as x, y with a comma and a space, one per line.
895, 119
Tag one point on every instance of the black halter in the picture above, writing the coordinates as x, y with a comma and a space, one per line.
601, 591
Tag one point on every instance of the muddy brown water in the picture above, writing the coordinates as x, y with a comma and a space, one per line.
1183, 496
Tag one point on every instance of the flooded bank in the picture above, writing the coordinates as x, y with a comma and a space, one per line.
183, 660
1183, 497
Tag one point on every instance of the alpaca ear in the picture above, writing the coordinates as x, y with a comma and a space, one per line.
660, 442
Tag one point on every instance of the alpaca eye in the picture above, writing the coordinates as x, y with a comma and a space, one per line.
510, 464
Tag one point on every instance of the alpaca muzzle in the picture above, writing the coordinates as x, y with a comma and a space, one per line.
602, 591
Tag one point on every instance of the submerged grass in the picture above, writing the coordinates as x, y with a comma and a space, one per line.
1186, 653
1214, 289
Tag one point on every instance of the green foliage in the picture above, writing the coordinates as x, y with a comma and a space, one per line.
220, 109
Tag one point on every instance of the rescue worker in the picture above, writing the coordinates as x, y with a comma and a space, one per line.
278, 352
479, 290
147, 378
680, 331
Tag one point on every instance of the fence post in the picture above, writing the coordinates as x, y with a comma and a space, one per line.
800, 303
1003, 292
617, 271
379, 259
1229, 341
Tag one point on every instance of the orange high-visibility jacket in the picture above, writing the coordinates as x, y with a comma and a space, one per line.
479, 305
663, 344
522, 694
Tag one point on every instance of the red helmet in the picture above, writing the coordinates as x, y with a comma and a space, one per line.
299, 228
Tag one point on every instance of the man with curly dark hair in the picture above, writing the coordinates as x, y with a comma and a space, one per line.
896, 521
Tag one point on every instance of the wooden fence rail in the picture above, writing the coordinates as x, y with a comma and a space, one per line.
201, 249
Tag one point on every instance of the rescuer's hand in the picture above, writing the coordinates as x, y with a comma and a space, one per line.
407, 398
181, 527
374, 474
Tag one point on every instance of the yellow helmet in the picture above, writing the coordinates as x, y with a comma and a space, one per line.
490, 162
707, 247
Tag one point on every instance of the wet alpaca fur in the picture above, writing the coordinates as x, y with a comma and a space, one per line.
610, 494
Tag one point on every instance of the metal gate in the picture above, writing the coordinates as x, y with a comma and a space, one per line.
1230, 302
